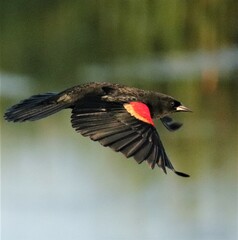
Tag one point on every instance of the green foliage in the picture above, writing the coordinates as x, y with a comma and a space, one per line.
54, 39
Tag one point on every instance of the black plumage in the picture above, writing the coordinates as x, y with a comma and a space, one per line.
117, 116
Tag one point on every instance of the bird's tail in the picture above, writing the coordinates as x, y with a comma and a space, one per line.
36, 107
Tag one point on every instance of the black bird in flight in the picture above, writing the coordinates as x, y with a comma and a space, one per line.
117, 116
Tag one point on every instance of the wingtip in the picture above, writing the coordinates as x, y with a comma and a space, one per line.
170, 124
181, 174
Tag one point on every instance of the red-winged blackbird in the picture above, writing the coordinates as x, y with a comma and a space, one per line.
115, 115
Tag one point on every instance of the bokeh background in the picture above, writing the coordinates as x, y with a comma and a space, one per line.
55, 184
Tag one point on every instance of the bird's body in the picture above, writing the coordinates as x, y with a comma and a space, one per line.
115, 115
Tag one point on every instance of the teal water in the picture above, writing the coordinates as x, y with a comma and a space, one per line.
57, 184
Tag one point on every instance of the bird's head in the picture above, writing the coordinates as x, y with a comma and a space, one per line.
166, 105
176, 106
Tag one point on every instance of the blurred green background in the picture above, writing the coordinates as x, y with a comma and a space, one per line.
55, 184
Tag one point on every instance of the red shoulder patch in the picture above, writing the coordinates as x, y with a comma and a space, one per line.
140, 111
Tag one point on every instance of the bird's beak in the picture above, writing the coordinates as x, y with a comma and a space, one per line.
182, 108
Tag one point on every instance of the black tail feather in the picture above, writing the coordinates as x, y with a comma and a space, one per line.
35, 108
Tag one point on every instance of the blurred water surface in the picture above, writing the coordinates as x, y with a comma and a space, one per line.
58, 185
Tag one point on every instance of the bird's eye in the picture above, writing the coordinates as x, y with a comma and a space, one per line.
172, 104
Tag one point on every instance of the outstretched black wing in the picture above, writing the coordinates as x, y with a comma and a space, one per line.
113, 126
